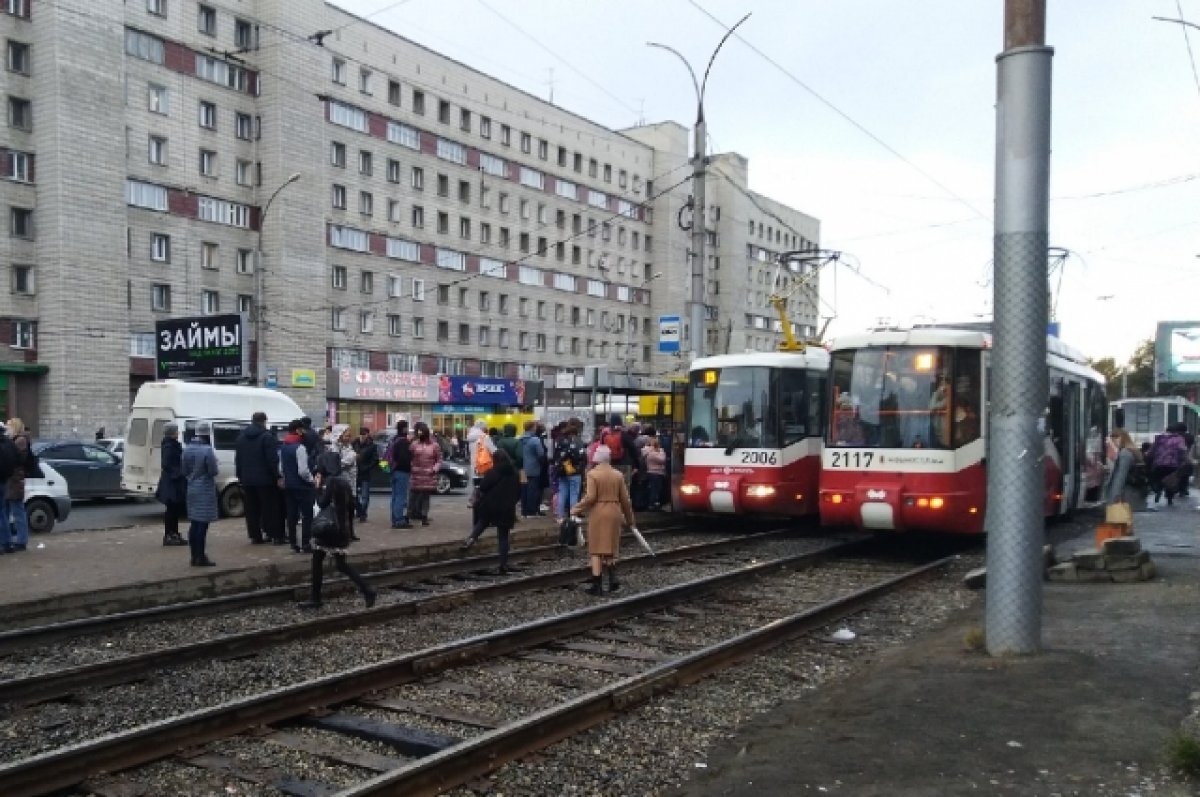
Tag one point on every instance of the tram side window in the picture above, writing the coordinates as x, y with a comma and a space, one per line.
793, 405
966, 402
817, 387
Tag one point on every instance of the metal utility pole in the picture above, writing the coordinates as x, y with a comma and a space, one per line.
260, 307
1015, 522
699, 215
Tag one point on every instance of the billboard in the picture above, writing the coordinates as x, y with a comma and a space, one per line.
204, 347
1177, 351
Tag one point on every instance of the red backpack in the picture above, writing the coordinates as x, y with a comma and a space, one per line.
613, 441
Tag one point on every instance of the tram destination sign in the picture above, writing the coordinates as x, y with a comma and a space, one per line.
204, 347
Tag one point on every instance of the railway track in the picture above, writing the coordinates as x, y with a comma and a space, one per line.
709, 622
124, 669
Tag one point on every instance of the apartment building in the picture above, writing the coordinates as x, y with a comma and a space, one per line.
386, 218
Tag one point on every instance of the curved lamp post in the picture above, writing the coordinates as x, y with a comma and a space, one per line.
260, 341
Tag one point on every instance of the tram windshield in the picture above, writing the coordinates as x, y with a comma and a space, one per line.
905, 397
754, 407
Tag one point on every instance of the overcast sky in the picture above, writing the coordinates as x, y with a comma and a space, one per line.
878, 119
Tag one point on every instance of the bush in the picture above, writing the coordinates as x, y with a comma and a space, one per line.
1183, 754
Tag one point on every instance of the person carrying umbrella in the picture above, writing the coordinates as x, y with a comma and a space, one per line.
606, 498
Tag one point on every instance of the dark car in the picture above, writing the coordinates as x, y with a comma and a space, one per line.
451, 475
91, 471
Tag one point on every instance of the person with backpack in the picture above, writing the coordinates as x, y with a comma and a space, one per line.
334, 538
532, 453
499, 490
298, 487
570, 458
1167, 457
399, 458
366, 461
622, 446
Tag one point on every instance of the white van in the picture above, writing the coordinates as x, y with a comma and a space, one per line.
227, 407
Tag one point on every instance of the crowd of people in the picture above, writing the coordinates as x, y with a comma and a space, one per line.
1163, 468
287, 485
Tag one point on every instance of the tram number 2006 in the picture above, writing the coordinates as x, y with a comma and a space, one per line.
760, 457
851, 459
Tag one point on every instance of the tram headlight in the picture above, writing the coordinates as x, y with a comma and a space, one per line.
936, 502
689, 489
836, 498
760, 491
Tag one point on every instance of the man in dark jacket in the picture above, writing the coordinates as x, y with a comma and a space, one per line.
300, 492
367, 459
311, 441
399, 457
511, 445
256, 461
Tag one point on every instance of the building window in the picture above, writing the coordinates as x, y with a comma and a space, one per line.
142, 344
364, 162
245, 35
23, 335
418, 104
393, 170
464, 228
160, 297
464, 120
464, 334
418, 216
339, 71
141, 45
243, 126
160, 247
22, 280
366, 322
366, 203
210, 302
339, 278
159, 100
157, 7
543, 149
394, 211
444, 112
208, 115
337, 154
337, 318
443, 331
364, 81
245, 261
503, 339
418, 290
464, 191
443, 185
20, 113
592, 167
485, 233
158, 150
366, 282
523, 341
339, 197
607, 173
485, 127
245, 304
208, 163
417, 178
443, 223
244, 173
485, 336
18, 57
418, 328
20, 222
505, 135
206, 21
394, 92
395, 329
504, 202
208, 255
526, 143
578, 162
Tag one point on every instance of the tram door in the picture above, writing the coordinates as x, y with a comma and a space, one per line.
679, 431
1071, 447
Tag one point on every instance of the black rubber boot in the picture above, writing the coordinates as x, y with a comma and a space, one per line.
597, 587
173, 539
318, 576
613, 584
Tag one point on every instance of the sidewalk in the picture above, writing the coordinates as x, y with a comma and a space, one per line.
81, 573
1092, 715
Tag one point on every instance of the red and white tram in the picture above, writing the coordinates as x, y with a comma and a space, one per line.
754, 431
906, 444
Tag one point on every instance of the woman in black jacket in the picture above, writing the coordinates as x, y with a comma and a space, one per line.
172, 485
498, 494
335, 490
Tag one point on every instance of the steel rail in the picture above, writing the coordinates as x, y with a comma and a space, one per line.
18, 639
470, 759
43, 686
71, 765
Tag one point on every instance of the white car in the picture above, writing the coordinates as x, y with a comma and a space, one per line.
47, 499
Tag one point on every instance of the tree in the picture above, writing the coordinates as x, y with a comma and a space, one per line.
1112, 376
1141, 370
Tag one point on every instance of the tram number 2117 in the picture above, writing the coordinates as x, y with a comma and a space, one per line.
851, 459
760, 457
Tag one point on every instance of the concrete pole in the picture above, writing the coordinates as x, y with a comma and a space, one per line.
1019, 390
699, 223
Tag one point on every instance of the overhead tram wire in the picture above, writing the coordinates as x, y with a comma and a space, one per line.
855, 123
357, 20
1187, 40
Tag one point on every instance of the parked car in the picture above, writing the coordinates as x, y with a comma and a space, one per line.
47, 500
113, 444
451, 475
90, 471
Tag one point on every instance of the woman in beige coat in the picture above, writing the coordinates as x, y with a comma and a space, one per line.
607, 498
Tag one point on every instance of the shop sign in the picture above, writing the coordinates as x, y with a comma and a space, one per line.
460, 409
204, 347
304, 377
363, 385
480, 390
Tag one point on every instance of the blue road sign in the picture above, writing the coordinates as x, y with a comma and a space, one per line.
669, 333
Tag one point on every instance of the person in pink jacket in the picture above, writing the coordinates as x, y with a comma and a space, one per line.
426, 459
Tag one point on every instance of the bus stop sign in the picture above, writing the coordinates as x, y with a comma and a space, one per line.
668, 334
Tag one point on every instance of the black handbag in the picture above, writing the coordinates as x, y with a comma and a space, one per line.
325, 529
568, 532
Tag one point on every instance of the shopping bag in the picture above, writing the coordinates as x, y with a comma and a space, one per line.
1120, 512
637, 535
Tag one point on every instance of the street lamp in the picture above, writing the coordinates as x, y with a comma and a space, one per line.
698, 215
260, 287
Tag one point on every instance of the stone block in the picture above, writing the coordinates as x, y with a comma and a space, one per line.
1122, 546
1064, 572
1143, 573
1089, 560
976, 579
1114, 562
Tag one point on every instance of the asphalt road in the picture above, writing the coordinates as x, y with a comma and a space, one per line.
105, 514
